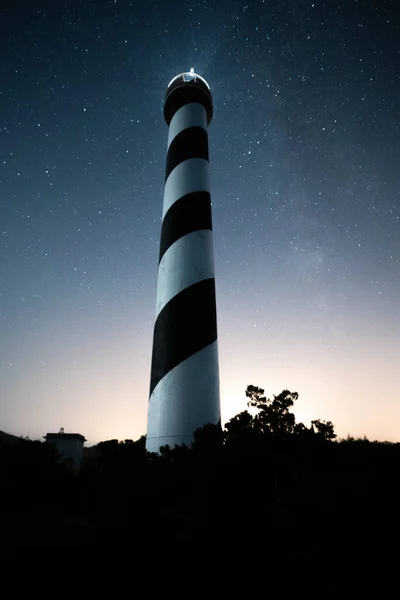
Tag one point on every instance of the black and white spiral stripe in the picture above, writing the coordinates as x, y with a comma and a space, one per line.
184, 388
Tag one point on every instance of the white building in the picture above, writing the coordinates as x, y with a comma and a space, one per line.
69, 447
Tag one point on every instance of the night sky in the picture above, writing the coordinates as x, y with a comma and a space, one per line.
304, 163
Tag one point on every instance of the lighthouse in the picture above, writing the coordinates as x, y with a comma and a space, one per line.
184, 383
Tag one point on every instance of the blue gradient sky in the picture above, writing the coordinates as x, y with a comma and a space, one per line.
304, 155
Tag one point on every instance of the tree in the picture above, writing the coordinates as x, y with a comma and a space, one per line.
302, 432
208, 440
325, 429
274, 417
240, 428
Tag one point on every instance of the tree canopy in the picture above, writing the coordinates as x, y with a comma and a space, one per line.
274, 420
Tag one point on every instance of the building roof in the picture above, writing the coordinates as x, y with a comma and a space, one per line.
64, 436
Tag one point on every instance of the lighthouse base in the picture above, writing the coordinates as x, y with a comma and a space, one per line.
184, 400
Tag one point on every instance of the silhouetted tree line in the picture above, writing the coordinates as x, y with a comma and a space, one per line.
263, 476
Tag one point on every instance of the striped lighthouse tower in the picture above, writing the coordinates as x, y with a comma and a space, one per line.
184, 386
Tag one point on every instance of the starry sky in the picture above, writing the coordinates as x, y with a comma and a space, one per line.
304, 166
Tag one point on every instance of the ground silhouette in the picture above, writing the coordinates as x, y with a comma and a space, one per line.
263, 476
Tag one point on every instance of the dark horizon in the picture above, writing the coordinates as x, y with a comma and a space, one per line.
265, 475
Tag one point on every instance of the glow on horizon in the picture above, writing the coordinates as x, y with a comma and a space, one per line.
103, 393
